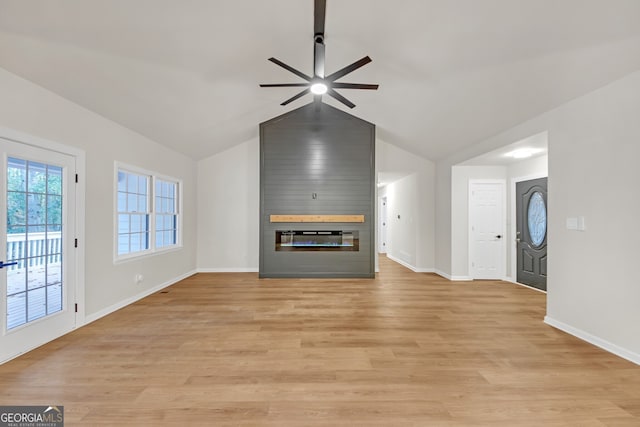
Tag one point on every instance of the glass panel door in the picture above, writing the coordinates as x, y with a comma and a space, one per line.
37, 289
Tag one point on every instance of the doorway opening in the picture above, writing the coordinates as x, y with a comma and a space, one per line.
520, 161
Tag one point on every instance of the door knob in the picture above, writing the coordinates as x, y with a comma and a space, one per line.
499, 236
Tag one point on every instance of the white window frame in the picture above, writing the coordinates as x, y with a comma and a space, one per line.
156, 211
144, 216
153, 177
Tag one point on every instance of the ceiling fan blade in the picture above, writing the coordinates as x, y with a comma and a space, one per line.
285, 85
338, 85
348, 69
318, 60
291, 69
340, 98
299, 95
319, 13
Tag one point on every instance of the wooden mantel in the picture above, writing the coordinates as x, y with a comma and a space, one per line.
316, 218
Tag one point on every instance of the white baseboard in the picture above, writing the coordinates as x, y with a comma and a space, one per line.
461, 279
228, 270
409, 266
453, 278
442, 274
401, 262
511, 280
121, 304
592, 339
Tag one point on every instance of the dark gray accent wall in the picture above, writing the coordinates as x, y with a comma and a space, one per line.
317, 149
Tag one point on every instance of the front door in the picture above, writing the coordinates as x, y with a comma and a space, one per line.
37, 289
531, 232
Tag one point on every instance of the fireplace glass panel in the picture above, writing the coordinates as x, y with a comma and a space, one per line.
311, 240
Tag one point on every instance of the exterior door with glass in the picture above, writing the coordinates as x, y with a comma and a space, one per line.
531, 232
37, 269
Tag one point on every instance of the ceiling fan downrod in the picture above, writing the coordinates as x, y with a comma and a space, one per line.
320, 84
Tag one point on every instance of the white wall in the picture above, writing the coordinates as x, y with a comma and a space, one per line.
528, 167
443, 217
32, 110
593, 171
402, 218
594, 146
410, 239
229, 209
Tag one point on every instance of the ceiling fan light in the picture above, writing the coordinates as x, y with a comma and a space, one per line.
318, 88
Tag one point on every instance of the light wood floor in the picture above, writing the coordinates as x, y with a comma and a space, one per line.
403, 349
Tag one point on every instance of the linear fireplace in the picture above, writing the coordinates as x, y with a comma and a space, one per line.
311, 240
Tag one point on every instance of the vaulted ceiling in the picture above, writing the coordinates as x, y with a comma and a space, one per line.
185, 73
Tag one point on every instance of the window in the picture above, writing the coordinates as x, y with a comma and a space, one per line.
166, 213
133, 212
144, 227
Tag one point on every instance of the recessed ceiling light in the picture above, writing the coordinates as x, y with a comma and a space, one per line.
523, 153
319, 88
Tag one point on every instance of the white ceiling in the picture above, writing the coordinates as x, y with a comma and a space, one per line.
451, 72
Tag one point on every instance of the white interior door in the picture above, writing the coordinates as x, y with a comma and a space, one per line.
37, 222
487, 229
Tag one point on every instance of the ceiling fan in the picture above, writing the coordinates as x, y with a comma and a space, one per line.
320, 84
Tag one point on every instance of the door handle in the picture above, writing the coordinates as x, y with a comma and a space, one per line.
499, 236
3, 264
